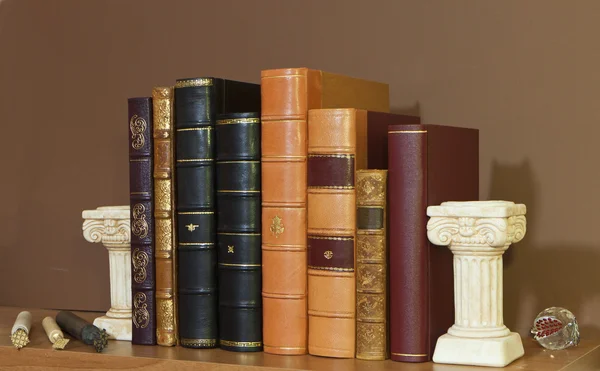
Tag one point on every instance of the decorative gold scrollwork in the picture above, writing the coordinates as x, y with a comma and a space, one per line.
137, 125
139, 228
141, 317
140, 261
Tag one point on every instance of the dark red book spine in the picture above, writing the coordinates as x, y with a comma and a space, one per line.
408, 251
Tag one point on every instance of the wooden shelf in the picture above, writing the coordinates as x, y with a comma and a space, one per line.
122, 355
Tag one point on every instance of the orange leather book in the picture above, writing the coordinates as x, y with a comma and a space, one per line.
337, 141
286, 97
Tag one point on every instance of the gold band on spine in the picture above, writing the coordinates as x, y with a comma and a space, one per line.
333, 155
331, 269
252, 120
198, 342
241, 344
196, 129
193, 82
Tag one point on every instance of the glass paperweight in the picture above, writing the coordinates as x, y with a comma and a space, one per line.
556, 328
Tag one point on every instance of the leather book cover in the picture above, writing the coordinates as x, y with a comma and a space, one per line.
336, 149
428, 164
371, 265
198, 101
141, 193
287, 95
238, 231
164, 217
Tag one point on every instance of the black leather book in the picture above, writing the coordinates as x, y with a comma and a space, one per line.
239, 231
142, 223
198, 101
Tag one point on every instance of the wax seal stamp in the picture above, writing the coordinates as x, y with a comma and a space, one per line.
19, 335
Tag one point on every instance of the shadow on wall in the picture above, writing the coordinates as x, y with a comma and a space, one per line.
540, 276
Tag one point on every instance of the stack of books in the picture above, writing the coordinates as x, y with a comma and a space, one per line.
290, 217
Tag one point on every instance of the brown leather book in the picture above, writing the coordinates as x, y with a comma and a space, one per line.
337, 141
287, 95
371, 265
164, 217
428, 164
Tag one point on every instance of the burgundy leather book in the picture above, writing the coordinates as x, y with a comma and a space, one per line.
428, 164
142, 222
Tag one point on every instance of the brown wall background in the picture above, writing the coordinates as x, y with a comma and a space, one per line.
525, 73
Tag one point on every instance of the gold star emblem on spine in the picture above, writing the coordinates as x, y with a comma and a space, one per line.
191, 227
230, 249
328, 254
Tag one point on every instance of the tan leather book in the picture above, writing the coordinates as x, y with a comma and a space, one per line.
337, 143
286, 97
164, 217
371, 265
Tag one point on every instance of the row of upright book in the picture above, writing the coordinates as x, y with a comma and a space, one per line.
290, 217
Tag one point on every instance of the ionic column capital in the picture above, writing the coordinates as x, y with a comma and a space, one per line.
482, 226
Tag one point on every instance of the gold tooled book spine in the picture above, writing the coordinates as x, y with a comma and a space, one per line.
164, 217
371, 287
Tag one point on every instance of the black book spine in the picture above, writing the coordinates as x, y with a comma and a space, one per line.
195, 113
142, 223
239, 231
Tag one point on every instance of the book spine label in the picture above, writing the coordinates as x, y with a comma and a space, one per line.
166, 309
371, 265
409, 287
283, 155
195, 112
142, 221
239, 231
332, 146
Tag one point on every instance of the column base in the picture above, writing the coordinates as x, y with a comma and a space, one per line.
116, 328
493, 352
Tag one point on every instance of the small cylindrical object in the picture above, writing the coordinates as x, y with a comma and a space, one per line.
82, 330
19, 335
55, 335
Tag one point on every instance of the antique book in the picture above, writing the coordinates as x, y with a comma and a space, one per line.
164, 217
141, 196
371, 265
428, 165
198, 101
337, 147
287, 95
238, 231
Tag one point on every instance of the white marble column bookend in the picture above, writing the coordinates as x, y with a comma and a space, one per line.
477, 233
110, 225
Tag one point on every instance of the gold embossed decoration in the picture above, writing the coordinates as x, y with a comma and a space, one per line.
191, 227
139, 228
193, 82
370, 189
230, 249
277, 227
139, 260
19, 338
137, 125
328, 254
164, 315
141, 317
